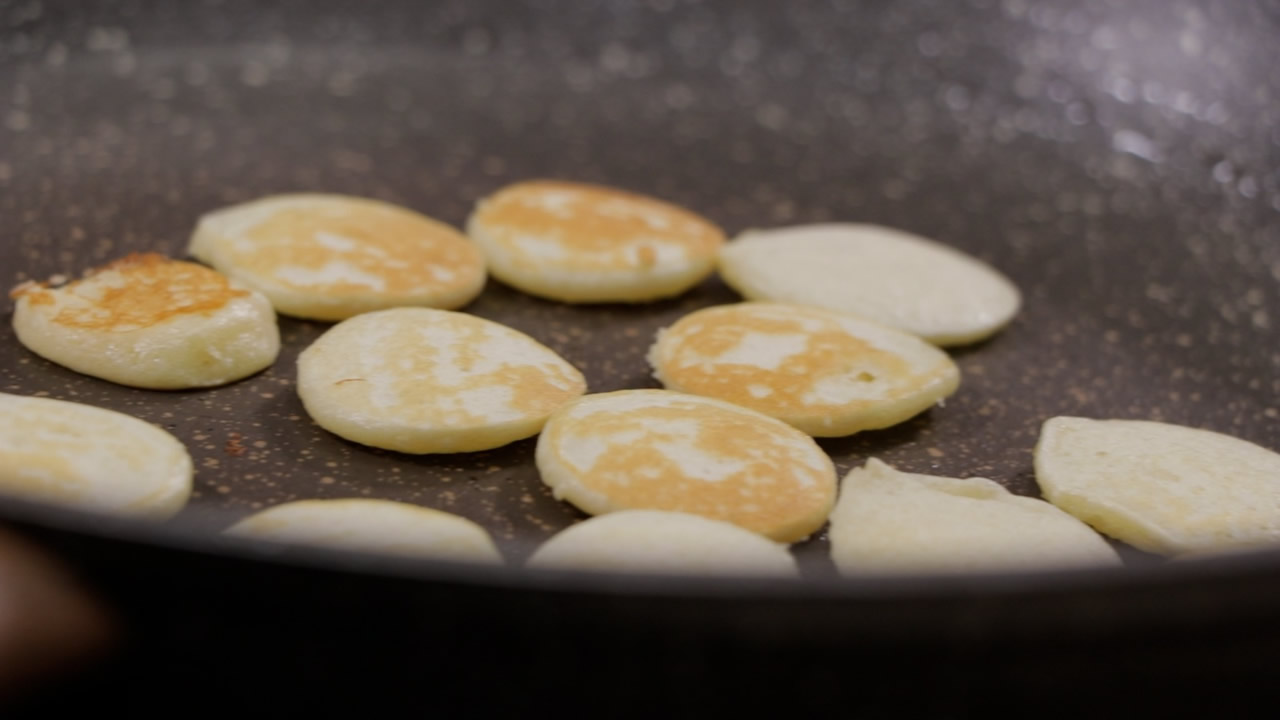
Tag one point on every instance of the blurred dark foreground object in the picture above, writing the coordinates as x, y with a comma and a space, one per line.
49, 625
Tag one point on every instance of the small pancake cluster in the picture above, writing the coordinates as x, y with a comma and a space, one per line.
842, 332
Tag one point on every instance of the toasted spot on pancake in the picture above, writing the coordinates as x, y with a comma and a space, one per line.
596, 227
376, 526
138, 291
655, 541
152, 322
88, 458
419, 380
350, 250
36, 293
586, 243
888, 521
659, 450
827, 373
1160, 487
330, 257
885, 275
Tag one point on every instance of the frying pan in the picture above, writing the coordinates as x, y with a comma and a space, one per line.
1119, 161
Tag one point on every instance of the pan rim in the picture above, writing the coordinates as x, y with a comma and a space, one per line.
1234, 567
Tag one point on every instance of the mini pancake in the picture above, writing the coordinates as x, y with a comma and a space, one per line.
150, 322
827, 373
88, 458
583, 243
418, 380
885, 275
373, 526
330, 257
888, 521
1159, 487
654, 541
661, 450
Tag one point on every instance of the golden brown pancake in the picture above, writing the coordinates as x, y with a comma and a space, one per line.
418, 380
330, 257
660, 450
586, 243
151, 322
827, 373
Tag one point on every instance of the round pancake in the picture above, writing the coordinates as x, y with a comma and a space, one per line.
88, 458
330, 257
661, 450
888, 521
418, 380
885, 275
1161, 488
374, 526
150, 322
655, 541
583, 243
827, 373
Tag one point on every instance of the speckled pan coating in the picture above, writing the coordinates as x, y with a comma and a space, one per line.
1117, 164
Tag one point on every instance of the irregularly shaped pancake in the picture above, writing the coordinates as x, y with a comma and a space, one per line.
150, 322
894, 522
655, 541
91, 459
889, 276
418, 380
1162, 488
374, 526
660, 450
827, 373
329, 257
584, 243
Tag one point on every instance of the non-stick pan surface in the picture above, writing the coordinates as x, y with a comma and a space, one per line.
1118, 161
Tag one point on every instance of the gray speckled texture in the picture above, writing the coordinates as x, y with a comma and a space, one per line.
1118, 161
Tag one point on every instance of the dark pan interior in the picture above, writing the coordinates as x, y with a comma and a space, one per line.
1119, 162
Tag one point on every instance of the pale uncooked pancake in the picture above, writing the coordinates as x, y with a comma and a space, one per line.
656, 541
330, 257
1162, 488
374, 526
888, 521
584, 243
150, 322
889, 276
661, 450
418, 380
88, 458
827, 373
